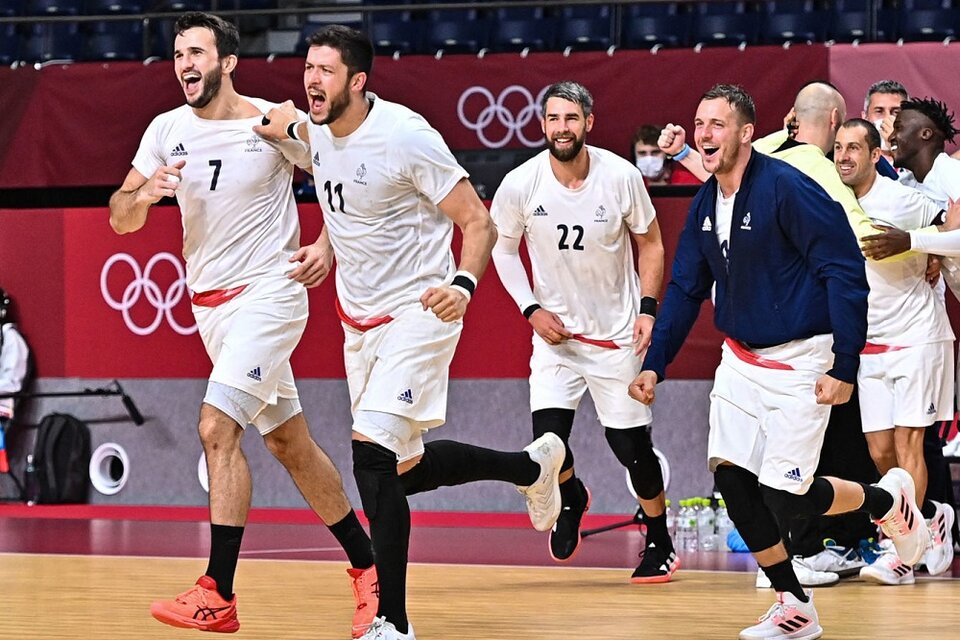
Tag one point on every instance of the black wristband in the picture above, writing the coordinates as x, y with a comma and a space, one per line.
464, 282
529, 311
648, 306
292, 130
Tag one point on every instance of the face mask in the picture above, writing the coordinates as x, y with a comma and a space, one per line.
883, 141
650, 166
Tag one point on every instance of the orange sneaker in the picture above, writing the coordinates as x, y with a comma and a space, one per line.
200, 607
366, 591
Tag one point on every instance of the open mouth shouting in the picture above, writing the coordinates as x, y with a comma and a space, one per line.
192, 84
318, 99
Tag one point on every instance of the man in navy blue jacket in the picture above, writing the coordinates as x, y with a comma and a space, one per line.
791, 297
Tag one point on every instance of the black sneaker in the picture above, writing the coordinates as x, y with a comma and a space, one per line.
656, 565
565, 535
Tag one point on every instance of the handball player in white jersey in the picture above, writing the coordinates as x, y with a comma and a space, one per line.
577, 207
391, 192
249, 277
907, 370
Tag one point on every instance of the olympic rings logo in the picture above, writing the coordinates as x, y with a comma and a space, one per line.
495, 109
143, 285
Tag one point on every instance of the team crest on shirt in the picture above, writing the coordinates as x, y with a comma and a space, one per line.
253, 145
600, 215
746, 222
361, 172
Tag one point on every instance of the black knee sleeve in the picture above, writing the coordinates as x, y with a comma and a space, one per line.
753, 519
786, 506
374, 468
634, 450
560, 422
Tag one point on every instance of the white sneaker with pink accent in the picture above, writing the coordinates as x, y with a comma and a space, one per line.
788, 618
904, 524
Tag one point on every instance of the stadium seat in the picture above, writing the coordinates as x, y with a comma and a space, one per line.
110, 7
114, 41
51, 41
401, 36
793, 22
929, 24
515, 29
52, 7
725, 23
456, 31
9, 44
585, 27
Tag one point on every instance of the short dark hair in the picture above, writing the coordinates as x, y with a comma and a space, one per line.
226, 34
885, 86
870, 132
354, 46
647, 134
937, 112
739, 100
569, 90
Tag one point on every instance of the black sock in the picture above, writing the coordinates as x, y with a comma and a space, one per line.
572, 492
928, 509
385, 505
876, 501
446, 463
657, 531
354, 541
784, 579
224, 553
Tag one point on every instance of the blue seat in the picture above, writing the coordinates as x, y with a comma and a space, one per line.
52, 7
52, 41
850, 20
929, 24
310, 27
10, 8
9, 44
647, 31
725, 23
535, 34
585, 27
111, 7
456, 31
181, 5
799, 21
402, 36
114, 41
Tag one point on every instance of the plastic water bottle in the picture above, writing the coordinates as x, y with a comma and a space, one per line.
706, 523
31, 484
687, 527
671, 521
724, 523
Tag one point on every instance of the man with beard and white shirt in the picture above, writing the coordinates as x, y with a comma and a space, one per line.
791, 296
241, 244
906, 369
590, 323
391, 192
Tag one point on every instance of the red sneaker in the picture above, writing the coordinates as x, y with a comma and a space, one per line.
200, 607
366, 591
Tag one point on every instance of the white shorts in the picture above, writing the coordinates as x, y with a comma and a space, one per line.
766, 419
402, 368
559, 376
908, 387
251, 337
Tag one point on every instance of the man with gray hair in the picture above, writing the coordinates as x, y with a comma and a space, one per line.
881, 106
577, 207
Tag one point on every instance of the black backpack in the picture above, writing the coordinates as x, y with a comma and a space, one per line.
61, 456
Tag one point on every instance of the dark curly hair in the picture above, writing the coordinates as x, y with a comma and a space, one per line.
937, 112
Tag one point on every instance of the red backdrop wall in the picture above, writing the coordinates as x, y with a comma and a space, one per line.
75, 285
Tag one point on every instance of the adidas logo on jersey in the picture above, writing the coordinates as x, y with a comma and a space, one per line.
931, 409
540, 211
707, 225
406, 396
254, 374
316, 158
794, 475
178, 150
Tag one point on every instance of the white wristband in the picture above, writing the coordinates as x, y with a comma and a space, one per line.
462, 290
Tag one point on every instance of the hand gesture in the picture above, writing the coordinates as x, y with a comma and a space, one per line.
891, 242
952, 221
274, 125
447, 303
163, 183
671, 140
315, 261
549, 326
643, 388
831, 391
642, 333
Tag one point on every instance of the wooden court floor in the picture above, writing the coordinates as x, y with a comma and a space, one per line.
93, 597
